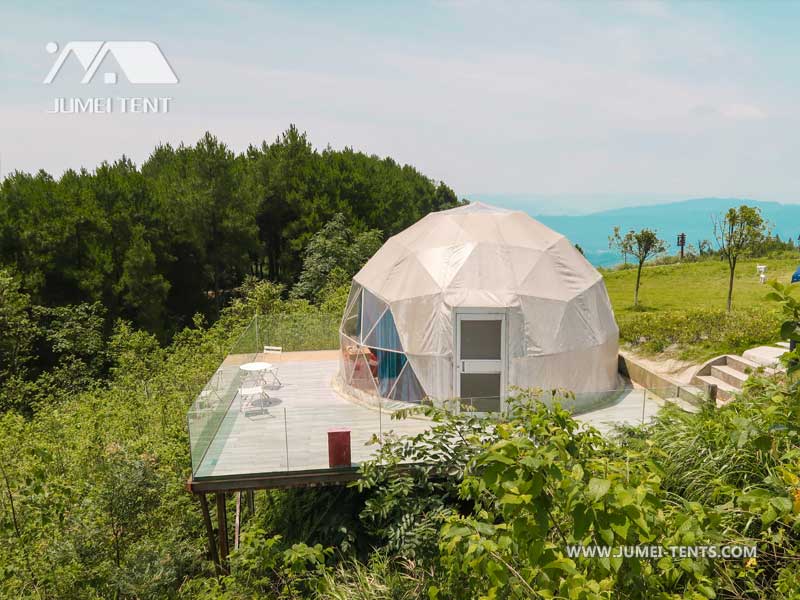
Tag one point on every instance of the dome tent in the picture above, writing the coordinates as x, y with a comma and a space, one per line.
470, 301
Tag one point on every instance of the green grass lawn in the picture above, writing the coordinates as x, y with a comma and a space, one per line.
682, 308
696, 285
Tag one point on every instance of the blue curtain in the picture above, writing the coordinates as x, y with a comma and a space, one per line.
389, 366
385, 334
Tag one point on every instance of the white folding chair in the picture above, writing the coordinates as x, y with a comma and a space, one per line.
278, 350
253, 395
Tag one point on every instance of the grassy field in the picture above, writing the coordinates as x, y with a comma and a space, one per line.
696, 285
682, 308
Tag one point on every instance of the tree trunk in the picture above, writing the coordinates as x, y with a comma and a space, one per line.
636, 289
730, 286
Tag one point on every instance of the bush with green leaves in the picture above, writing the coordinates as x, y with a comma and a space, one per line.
698, 333
487, 508
790, 328
264, 566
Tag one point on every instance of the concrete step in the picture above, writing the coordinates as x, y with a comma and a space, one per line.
767, 356
740, 363
729, 375
783, 345
691, 394
684, 405
725, 391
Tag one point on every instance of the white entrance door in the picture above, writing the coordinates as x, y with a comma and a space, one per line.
481, 358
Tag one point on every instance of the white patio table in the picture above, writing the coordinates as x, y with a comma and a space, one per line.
257, 367
262, 368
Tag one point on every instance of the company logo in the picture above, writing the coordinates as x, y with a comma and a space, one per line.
140, 62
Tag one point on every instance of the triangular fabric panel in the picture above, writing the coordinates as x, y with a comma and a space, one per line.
408, 388
384, 335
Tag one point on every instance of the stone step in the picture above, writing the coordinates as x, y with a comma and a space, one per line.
729, 375
725, 391
783, 345
767, 356
684, 405
740, 363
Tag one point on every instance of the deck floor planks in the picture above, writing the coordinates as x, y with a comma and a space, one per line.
305, 407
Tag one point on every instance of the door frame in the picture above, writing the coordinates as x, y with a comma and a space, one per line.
480, 366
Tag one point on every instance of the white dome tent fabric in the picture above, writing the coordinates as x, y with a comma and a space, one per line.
470, 301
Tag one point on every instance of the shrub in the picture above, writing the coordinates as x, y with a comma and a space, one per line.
699, 332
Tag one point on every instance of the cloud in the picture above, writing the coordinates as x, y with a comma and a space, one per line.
647, 8
550, 98
742, 112
737, 112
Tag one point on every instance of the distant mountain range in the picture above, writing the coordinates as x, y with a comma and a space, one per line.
692, 217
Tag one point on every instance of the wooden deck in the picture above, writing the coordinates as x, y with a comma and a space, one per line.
288, 440
286, 444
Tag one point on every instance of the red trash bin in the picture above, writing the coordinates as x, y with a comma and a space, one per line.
339, 448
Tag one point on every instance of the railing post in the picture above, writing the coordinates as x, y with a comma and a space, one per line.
258, 345
644, 403
286, 437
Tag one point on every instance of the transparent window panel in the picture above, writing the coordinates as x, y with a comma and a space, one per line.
347, 358
481, 390
355, 290
351, 324
390, 365
364, 371
371, 310
384, 335
481, 340
408, 388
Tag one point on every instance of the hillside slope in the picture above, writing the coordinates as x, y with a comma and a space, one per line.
682, 307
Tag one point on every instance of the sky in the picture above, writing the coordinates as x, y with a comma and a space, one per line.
578, 106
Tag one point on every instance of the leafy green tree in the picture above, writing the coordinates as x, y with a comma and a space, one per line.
333, 296
213, 223
737, 232
334, 246
282, 179
642, 245
17, 329
142, 287
193, 222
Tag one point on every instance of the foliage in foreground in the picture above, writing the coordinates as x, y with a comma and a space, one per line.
92, 498
487, 509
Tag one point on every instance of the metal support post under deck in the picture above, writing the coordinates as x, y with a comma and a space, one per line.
222, 527
236, 522
212, 544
